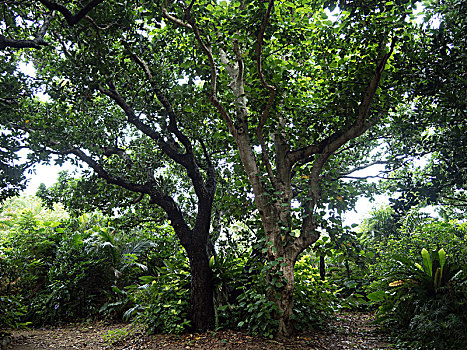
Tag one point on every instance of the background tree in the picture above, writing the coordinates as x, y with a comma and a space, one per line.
433, 127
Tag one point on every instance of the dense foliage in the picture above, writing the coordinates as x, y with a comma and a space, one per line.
419, 280
58, 271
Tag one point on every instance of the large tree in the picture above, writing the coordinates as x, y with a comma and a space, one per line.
295, 88
111, 105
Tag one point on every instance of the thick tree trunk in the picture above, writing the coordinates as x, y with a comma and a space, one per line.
285, 301
202, 302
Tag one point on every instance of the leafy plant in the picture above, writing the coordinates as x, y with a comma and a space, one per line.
12, 311
315, 299
426, 301
248, 304
162, 302
119, 335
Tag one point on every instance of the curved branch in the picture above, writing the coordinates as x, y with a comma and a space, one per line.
108, 151
259, 46
69, 17
173, 127
207, 50
166, 202
146, 188
186, 160
173, 19
330, 145
146, 129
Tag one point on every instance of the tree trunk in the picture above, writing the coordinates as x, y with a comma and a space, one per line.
322, 268
284, 301
347, 267
202, 302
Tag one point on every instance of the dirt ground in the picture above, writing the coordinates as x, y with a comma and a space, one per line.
348, 331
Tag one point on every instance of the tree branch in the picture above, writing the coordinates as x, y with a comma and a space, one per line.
69, 17
213, 98
454, 199
211, 179
345, 174
146, 188
166, 202
186, 160
147, 130
173, 19
173, 126
330, 145
37, 43
108, 151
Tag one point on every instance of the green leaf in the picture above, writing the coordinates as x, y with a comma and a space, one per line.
427, 262
442, 257
379, 295
211, 262
419, 267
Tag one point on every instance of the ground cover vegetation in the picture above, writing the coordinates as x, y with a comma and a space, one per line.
221, 143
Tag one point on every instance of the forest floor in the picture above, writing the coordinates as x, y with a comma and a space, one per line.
346, 331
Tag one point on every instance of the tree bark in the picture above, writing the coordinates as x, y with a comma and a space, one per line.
285, 301
322, 268
202, 290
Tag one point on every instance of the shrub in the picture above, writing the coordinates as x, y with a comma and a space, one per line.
426, 300
162, 301
248, 306
314, 300
76, 283
12, 311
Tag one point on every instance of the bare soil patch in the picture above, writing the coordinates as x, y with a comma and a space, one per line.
347, 331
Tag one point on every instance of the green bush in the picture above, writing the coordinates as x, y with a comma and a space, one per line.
12, 311
76, 283
162, 301
315, 300
249, 307
27, 249
53, 272
426, 300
